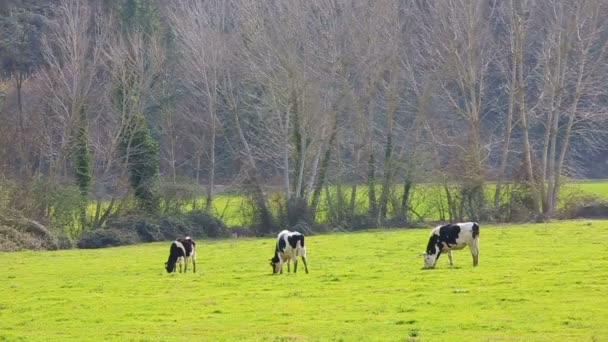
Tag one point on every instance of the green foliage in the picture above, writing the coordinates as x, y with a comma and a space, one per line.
142, 154
374, 292
139, 16
66, 209
57, 205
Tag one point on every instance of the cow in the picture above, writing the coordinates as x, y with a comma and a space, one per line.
290, 246
450, 237
181, 251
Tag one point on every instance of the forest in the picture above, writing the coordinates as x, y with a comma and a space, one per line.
135, 120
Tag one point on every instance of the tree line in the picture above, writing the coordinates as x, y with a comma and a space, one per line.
349, 106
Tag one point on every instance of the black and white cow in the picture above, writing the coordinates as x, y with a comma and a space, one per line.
182, 252
452, 237
290, 246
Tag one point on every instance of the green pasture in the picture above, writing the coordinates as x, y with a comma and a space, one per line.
546, 282
426, 200
595, 187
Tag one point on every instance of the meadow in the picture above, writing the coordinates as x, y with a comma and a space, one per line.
235, 209
544, 282
426, 200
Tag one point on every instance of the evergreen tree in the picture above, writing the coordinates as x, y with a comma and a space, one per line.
142, 153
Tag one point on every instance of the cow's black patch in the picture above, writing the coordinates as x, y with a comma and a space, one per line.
294, 238
475, 230
449, 233
280, 248
174, 253
189, 245
281, 244
433, 244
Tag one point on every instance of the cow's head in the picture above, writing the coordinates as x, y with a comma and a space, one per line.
170, 267
433, 250
430, 260
275, 263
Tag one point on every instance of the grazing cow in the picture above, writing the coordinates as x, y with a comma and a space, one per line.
182, 251
290, 246
452, 237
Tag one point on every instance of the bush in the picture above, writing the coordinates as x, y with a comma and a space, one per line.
172, 227
207, 225
102, 238
175, 196
144, 228
520, 205
53, 203
133, 228
584, 206
21, 233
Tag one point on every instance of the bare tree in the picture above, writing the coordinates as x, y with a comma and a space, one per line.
72, 51
461, 46
202, 31
573, 56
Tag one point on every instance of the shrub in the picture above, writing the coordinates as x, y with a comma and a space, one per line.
20, 233
144, 228
102, 238
302, 227
143, 162
207, 224
584, 206
134, 228
174, 197
362, 222
520, 205
172, 227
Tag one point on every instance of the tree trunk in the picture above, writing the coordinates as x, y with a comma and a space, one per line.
388, 151
266, 220
521, 90
300, 149
22, 148
371, 185
405, 199
507, 137
286, 181
320, 181
565, 145
353, 191
386, 182
211, 181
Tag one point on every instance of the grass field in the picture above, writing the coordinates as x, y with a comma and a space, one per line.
233, 209
534, 283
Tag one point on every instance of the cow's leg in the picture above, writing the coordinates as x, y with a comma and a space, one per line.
288, 269
295, 265
475, 251
193, 264
451, 257
304, 261
185, 264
